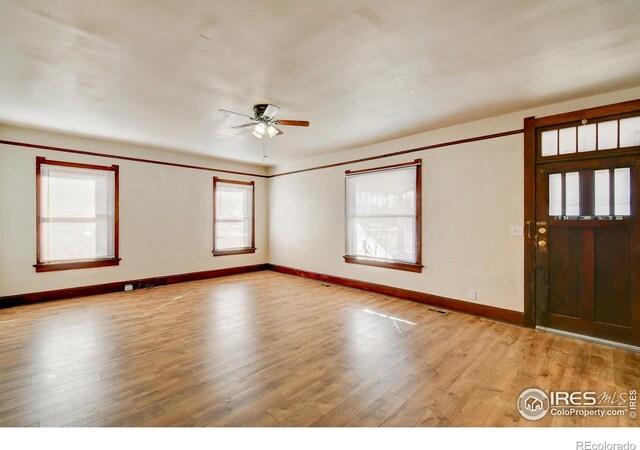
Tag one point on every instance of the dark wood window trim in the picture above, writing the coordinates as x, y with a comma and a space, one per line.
388, 264
45, 266
241, 250
532, 156
409, 267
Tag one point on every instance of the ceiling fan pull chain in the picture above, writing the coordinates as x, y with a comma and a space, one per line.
264, 149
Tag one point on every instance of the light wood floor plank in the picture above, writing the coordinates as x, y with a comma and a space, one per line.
266, 349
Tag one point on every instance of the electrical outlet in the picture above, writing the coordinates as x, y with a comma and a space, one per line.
516, 230
128, 287
472, 294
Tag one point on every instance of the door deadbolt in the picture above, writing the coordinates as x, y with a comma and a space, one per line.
542, 230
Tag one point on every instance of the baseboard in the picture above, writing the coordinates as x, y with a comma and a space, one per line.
118, 286
491, 312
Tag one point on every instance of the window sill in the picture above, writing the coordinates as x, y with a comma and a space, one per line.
409, 267
54, 266
234, 251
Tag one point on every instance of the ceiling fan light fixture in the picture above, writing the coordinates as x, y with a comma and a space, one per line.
262, 121
273, 130
259, 130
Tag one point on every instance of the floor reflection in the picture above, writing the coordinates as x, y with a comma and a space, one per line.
394, 319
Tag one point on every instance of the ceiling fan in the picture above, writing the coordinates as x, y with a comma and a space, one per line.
263, 121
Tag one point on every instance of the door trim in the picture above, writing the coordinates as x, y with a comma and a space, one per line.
530, 126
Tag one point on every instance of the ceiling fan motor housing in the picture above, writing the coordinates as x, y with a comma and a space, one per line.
259, 109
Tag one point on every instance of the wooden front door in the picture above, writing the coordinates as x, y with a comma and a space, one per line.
587, 229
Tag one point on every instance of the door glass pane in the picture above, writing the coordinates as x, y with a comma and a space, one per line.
622, 191
630, 132
587, 138
601, 182
607, 135
549, 143
572, 193
567, 140
555, 194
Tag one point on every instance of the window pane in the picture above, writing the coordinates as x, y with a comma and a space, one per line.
587, 138
630, 132
234, 209
555, 194
549, 143
382, 193
390, 238
71, 240
232, 235
572, 182
69, 197
231, 204
77, 213
381, 214
622, 191
567, 140
601, 182
607, 135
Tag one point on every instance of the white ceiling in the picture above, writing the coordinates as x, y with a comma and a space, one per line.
155, 72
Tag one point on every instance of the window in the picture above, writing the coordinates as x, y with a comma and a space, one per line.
600, 134
383, 216
233, 217
606, 194
77, 215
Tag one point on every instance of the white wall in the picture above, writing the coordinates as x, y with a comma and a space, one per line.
472, 194
166, 213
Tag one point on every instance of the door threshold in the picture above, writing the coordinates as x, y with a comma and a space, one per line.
595, 340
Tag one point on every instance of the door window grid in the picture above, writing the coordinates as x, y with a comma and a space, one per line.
611, 194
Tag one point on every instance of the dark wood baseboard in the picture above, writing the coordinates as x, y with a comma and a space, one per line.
491, 312
118, 286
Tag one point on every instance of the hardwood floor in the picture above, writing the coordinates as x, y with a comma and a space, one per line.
266, 349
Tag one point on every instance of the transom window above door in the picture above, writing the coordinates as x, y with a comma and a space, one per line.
601, 135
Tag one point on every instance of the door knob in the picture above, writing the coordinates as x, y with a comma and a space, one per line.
542, 244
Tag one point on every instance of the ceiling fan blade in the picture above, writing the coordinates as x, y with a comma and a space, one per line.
233, 112
243, 125
294, 123
271, 111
